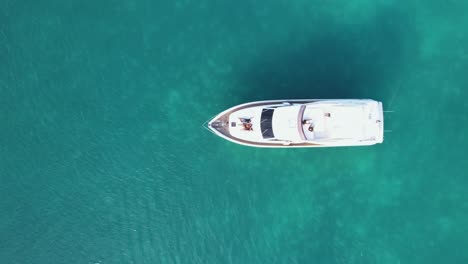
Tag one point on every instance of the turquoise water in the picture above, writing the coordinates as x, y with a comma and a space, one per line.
103, 158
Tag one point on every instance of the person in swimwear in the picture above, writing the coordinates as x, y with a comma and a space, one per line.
311, 125
246, 123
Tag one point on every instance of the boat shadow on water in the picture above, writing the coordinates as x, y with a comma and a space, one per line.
338, 60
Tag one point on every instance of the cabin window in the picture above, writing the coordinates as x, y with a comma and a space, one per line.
265, 123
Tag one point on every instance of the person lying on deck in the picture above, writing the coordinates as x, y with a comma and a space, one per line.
246, 123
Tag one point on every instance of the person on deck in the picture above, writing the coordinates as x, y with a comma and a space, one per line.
246, 123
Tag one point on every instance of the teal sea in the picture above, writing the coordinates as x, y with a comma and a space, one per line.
103, 157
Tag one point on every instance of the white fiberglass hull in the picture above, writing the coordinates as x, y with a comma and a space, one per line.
302, 123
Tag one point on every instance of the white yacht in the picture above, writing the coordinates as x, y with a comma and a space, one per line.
302, 123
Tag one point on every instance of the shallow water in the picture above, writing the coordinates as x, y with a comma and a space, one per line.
104, 159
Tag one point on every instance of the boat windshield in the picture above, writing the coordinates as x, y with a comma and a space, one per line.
266, 123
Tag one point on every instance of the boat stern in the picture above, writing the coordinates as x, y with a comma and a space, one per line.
375, 125
380, 135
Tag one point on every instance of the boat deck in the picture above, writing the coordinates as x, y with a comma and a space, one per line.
221, 124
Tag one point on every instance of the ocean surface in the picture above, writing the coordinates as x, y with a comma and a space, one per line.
103, 157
